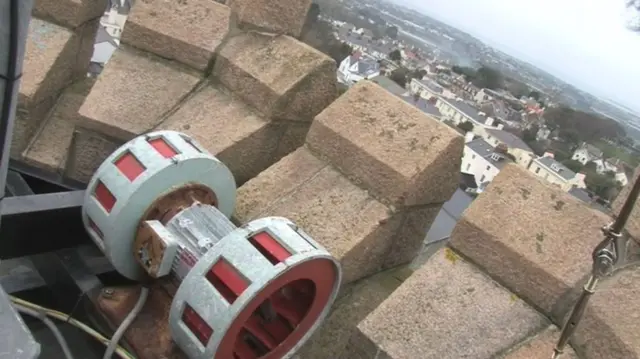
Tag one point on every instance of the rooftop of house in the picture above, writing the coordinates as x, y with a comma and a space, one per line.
556, 167
585, 197
367, 66
509, 139
432, 86
389, 85
103, 36
467, 110
488, 152
592, 150
123, 7
423, 104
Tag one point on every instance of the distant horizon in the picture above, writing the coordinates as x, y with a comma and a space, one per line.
615, 84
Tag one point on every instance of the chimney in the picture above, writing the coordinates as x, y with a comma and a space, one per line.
468, 137
548, 154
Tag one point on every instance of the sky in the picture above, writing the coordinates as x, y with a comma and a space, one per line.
584, 42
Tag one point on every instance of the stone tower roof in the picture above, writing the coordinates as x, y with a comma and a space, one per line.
365, 175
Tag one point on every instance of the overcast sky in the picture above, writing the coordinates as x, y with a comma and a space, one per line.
584, 42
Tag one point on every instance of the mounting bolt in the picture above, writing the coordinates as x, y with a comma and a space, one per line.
107, 292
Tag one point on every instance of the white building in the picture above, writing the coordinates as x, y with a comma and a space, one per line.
115, 17
481, 160
587, 153
428, 89
357, 67
556, 173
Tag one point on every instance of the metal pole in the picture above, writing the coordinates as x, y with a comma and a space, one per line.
14, 27
606, 257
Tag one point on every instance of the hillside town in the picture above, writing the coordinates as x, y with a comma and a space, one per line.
503, 119
495, 122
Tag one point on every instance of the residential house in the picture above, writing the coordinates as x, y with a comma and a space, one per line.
543, 133
389, 85
104, 47
459, 111
483, 96
428, 88
357, 67
587, 153
515, 146
115, 17
556, 173
612, 165
603, 166
482, 160
424, 105
425, 88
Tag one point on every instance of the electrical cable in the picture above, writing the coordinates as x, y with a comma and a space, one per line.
124, 354
56, 332
144, 294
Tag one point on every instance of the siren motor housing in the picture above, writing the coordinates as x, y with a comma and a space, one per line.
159, 207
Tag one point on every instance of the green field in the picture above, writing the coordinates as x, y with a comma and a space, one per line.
609, 151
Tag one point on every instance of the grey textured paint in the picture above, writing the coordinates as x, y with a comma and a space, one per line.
133, 198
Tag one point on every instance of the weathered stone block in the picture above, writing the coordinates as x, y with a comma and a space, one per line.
532, 237
446, 309
633, 224
229, 129
49, 149
51, 63
278, 75
610, 327
50, 55
185, 31
390, 147
278, 16
362, 233
354, 227
86, 34
354, 304
87, 151
539, 347
133, 93
70, 13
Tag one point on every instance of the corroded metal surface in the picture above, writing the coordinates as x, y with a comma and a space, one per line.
149, 334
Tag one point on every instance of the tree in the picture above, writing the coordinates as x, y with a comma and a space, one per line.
487, 77
535, 95
465, 126
530, 134
319, 34
395, 55
579, 126
399, 76
392, 32
418, 74
573, 165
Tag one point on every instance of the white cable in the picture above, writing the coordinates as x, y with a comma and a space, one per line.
113, 344
50, 324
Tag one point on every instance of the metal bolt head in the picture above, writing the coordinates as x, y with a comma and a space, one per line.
107, 292
603, 265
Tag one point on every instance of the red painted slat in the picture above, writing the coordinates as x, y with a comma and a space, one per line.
270, 247
163, 147
129, 166
106, 199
